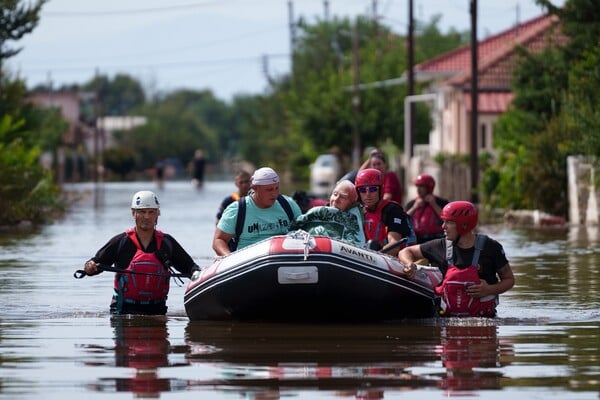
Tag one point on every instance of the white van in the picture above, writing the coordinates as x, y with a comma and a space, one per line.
324, 173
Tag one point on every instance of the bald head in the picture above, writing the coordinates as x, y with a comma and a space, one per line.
344, 195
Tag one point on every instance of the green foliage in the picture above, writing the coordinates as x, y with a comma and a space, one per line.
17, 18
554, 115
177, 125
319, 93
120, 161
26, 190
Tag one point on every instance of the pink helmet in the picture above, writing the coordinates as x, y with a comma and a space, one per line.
368, 177
425, 180
463, 213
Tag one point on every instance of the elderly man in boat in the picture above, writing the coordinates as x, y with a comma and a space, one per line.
342, 219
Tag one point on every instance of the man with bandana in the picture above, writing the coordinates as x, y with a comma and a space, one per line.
266, 213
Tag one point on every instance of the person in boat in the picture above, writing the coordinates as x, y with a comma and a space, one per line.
341, 219
263, 213
146, 256
474, 265
391, 188
425, 210
385, 220
242, 182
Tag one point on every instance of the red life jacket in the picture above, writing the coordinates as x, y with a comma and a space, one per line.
374, 226
453, 290
140, 287
426, 222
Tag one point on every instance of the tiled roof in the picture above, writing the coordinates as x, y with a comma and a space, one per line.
497, 56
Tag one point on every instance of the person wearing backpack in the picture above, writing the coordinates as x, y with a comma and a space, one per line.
475, 268
144, 258
263, 213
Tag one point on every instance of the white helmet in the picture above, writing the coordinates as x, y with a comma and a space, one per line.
144, 199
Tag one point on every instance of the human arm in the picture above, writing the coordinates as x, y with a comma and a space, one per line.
112, 252
180, 258
220, 242
434, 203
414, 205
507, 281
393, 237
408, 256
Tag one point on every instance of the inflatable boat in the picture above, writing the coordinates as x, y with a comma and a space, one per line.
300, 277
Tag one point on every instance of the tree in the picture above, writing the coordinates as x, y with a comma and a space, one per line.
17, 18
554, 114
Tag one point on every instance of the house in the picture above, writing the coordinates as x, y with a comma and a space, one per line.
69, 158
82, 142
449, 76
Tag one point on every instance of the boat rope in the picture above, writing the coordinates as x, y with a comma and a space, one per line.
305, 237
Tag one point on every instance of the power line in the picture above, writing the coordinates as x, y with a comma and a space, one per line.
69, 14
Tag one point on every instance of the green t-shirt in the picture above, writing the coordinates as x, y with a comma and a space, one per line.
260, 223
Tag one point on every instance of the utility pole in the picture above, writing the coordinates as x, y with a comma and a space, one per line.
292, 25
355, 98
411, 80
474, 106
326, 10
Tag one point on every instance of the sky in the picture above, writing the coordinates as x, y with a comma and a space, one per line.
228, 46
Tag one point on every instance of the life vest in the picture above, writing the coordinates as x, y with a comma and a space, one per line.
376, 229
426, 222
453, 290
139, 287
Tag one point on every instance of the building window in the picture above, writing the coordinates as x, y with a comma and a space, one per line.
483, 136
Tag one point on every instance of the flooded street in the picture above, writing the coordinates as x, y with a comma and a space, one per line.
58, 340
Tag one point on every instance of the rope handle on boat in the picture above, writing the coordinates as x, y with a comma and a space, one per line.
80, 273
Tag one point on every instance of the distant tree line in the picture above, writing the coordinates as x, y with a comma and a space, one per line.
310, 110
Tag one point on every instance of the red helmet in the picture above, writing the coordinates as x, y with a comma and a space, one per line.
463, 213
368, 177
425, 180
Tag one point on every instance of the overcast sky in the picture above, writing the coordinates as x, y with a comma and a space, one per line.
218, 45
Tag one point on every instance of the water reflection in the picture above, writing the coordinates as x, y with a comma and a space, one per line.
140, 343
357, 361
470, 354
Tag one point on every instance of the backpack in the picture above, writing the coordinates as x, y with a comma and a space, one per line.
241, 217
453, 290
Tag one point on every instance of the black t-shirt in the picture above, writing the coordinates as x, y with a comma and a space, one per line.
491, 259
119, 250
396, 220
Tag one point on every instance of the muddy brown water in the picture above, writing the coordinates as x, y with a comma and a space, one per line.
58, 340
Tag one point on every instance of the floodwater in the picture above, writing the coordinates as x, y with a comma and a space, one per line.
58, 341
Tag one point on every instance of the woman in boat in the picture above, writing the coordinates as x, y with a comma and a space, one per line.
425, 210
474, 265
341, 219
385, 220
146, 256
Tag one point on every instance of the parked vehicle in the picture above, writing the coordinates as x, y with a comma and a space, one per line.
324, 173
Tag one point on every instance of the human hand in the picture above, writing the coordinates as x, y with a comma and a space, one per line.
410, 270
479, 290
429, 198
90, 267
